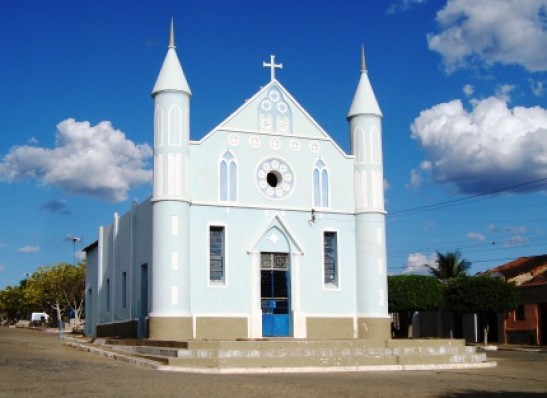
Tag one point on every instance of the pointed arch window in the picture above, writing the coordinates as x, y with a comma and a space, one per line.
274, 113
228, 177
320, 184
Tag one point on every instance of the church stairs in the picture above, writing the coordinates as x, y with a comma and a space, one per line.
287, 355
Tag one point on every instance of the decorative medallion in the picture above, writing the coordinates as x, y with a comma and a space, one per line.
275, 143
254, 142
233, 139
314, 147
275, 178
294, 145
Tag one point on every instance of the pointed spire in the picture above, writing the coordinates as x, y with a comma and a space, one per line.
364, 101
363, 63
171, 76
172, 35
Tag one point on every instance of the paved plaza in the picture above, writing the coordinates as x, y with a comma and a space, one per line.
35, 364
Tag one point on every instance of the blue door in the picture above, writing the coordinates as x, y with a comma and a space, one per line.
275, 295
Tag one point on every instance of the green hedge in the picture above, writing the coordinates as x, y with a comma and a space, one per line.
414, 293
481, 294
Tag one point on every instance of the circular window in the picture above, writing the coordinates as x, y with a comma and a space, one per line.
274, 96
275, 178
282, 107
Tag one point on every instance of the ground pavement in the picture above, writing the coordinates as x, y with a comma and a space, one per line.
35, 364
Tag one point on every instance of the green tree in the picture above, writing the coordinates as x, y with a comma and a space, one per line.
60, 287
483, 295
449, 265
14, 304
74, 277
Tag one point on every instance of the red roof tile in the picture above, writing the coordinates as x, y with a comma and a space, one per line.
520, 266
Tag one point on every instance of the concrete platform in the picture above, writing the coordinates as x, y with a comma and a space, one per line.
291, 355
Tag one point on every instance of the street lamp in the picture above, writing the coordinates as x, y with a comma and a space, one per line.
73, 239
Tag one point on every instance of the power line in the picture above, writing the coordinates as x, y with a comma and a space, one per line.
471, 198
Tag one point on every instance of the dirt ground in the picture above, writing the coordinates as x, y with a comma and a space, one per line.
35, 364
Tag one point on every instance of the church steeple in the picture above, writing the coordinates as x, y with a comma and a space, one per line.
365, 122
364, 100
171, 76
171, 201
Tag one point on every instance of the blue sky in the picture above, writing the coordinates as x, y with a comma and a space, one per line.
462, 86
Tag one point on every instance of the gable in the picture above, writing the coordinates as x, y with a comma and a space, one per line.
271, 129
273, 110
276, 237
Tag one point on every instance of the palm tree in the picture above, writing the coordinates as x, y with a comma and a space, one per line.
449, 265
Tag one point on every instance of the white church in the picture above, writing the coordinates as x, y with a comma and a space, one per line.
264, 227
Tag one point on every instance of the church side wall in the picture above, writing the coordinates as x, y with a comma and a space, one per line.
105, 276
125, 248
142, 266
91, 290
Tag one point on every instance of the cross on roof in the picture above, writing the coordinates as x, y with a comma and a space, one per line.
273, 66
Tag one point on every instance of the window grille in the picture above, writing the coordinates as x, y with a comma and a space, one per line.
216, 254
330, 258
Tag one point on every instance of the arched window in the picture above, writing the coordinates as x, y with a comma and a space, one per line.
158, 126
228, 178
320, 184
175, 125
274, 113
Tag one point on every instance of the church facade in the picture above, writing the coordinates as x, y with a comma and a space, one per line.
264, 227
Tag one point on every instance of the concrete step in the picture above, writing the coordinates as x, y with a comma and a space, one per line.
306, 354
148, 351
293, 350
317, 362
281, 362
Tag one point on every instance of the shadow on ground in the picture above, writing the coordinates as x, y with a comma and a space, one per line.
500, 394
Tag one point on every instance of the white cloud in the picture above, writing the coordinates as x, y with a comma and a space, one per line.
537, 88
80, 255
415, 264
97, 161
503, 92
517, 240
468, 89
2, 269
475, 236
509, 229
29, 249
491, 147
426, 165
415, 179
403, 5
492, 31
